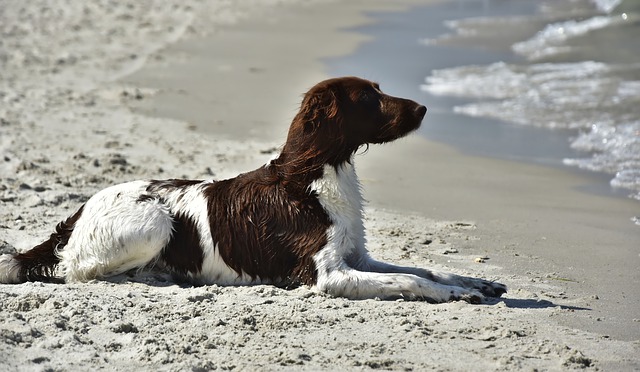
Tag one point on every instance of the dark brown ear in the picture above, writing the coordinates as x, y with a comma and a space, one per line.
317, 108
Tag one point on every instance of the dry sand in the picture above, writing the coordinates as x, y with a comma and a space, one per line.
67, 129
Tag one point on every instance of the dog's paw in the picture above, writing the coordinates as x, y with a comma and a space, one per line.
466, 295
487, 288
490, 289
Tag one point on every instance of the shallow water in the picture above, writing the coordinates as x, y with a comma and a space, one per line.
578, 71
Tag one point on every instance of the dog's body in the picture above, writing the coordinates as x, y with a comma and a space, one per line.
297, 220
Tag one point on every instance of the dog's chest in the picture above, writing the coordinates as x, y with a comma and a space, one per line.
339, 194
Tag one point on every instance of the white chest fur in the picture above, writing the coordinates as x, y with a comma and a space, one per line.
339, 194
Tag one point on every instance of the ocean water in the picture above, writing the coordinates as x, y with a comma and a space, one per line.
570, 65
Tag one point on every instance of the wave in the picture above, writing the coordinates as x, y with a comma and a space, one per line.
551, 95
606, 6
551, 40
615, 149
592, 97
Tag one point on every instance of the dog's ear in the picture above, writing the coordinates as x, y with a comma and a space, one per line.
317, 108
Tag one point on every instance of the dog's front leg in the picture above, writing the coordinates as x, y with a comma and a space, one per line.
487, 288
358, 285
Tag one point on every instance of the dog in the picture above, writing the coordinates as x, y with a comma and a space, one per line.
297, 220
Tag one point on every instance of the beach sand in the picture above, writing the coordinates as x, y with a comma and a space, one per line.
94, 95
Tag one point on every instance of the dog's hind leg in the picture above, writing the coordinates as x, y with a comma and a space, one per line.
118, 231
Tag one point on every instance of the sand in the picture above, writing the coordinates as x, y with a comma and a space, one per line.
93, 95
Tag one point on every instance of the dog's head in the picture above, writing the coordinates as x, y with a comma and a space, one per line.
345, 113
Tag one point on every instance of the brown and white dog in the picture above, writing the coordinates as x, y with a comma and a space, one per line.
296, 220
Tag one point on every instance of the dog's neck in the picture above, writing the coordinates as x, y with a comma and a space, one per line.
339, 191
304, 166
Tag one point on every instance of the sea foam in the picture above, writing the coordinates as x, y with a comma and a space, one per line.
551, 40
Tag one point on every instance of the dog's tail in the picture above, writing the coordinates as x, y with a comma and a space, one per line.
38, 263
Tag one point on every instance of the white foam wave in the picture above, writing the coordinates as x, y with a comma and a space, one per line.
606, 6
472, 26
615, 149
563, 95
498, 80
551, 39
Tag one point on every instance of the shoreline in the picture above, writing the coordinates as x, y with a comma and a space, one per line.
441, 213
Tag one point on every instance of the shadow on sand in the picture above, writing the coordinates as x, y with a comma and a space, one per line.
521, 303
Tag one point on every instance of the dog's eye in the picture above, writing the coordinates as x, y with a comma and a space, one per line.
367, 96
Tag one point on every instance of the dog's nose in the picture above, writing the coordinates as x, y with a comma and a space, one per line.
421, 111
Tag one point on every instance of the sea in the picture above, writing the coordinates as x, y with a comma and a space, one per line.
555, 82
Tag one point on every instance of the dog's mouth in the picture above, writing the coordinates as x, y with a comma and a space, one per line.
420, 112
400, 127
